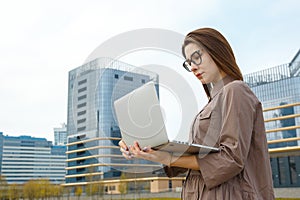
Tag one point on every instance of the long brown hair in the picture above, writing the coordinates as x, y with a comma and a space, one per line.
218, 48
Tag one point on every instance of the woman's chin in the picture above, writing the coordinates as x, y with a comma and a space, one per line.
202, 80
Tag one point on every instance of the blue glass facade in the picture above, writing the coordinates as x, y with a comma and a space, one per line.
93, 132
278, 89
24, 158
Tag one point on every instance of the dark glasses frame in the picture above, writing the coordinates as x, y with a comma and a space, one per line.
187, 64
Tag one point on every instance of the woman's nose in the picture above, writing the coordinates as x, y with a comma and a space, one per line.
194, 67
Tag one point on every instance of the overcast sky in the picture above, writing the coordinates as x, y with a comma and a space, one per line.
40, 41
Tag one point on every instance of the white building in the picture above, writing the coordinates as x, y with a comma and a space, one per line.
60, 135
24, 158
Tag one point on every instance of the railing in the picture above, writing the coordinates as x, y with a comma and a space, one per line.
273, 152
294, 127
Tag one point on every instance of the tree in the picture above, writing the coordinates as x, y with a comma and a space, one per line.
100, 190
44, 188
123, 185
67, 191
56, 191
92, 189
13, 192
31, 190
3, 187
78, 191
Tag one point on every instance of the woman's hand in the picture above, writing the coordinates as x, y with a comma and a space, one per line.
149, 154
146, 153
125, 150
163, 157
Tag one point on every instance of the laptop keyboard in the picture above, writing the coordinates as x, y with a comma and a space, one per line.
180, 142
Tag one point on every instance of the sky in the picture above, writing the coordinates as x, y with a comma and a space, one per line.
41, 41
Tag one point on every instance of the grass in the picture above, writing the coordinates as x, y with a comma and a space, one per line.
179, 199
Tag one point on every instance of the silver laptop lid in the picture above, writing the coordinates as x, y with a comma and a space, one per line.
140, 117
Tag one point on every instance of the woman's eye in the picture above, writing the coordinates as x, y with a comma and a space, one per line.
195, 58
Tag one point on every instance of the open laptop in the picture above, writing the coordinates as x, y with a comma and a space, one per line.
140, 119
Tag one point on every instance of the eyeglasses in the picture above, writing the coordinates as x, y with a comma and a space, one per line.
195, 59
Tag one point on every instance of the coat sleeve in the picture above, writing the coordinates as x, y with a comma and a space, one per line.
174, 171
237, 111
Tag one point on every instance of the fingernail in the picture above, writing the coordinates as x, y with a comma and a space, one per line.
145, 149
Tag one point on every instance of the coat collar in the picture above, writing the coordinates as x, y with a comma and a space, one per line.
220, 84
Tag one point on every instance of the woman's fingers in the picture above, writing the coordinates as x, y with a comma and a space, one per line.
125, 150
137, 146
123, 145
126, 154
135, 151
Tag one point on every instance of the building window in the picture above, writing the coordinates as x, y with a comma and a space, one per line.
112, 187
80, 162
80, 170
170, 185
81, 113
81, 128
79, 178
81, 105
283, 171
143, 81
82, 89
82, 97
80, 153
116, 76
293, 170
81, 121
82, 82
128, 78
80, 145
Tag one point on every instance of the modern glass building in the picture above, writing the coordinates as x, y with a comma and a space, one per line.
278, 89
93, 133
25, 158
60, 135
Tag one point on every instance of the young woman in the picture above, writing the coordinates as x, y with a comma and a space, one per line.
232, 120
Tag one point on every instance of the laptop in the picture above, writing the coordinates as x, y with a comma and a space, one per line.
140, 119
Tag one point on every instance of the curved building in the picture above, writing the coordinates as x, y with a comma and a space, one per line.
93, 134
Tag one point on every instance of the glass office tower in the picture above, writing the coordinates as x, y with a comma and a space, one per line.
278, 89
274, 87
93, 132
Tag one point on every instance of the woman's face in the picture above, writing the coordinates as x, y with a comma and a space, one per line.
207, 71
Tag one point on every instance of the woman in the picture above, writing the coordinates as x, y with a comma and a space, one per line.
232, 120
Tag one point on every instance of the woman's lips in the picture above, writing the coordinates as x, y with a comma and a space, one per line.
199, 75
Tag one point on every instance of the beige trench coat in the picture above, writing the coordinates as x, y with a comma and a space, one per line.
233, 121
